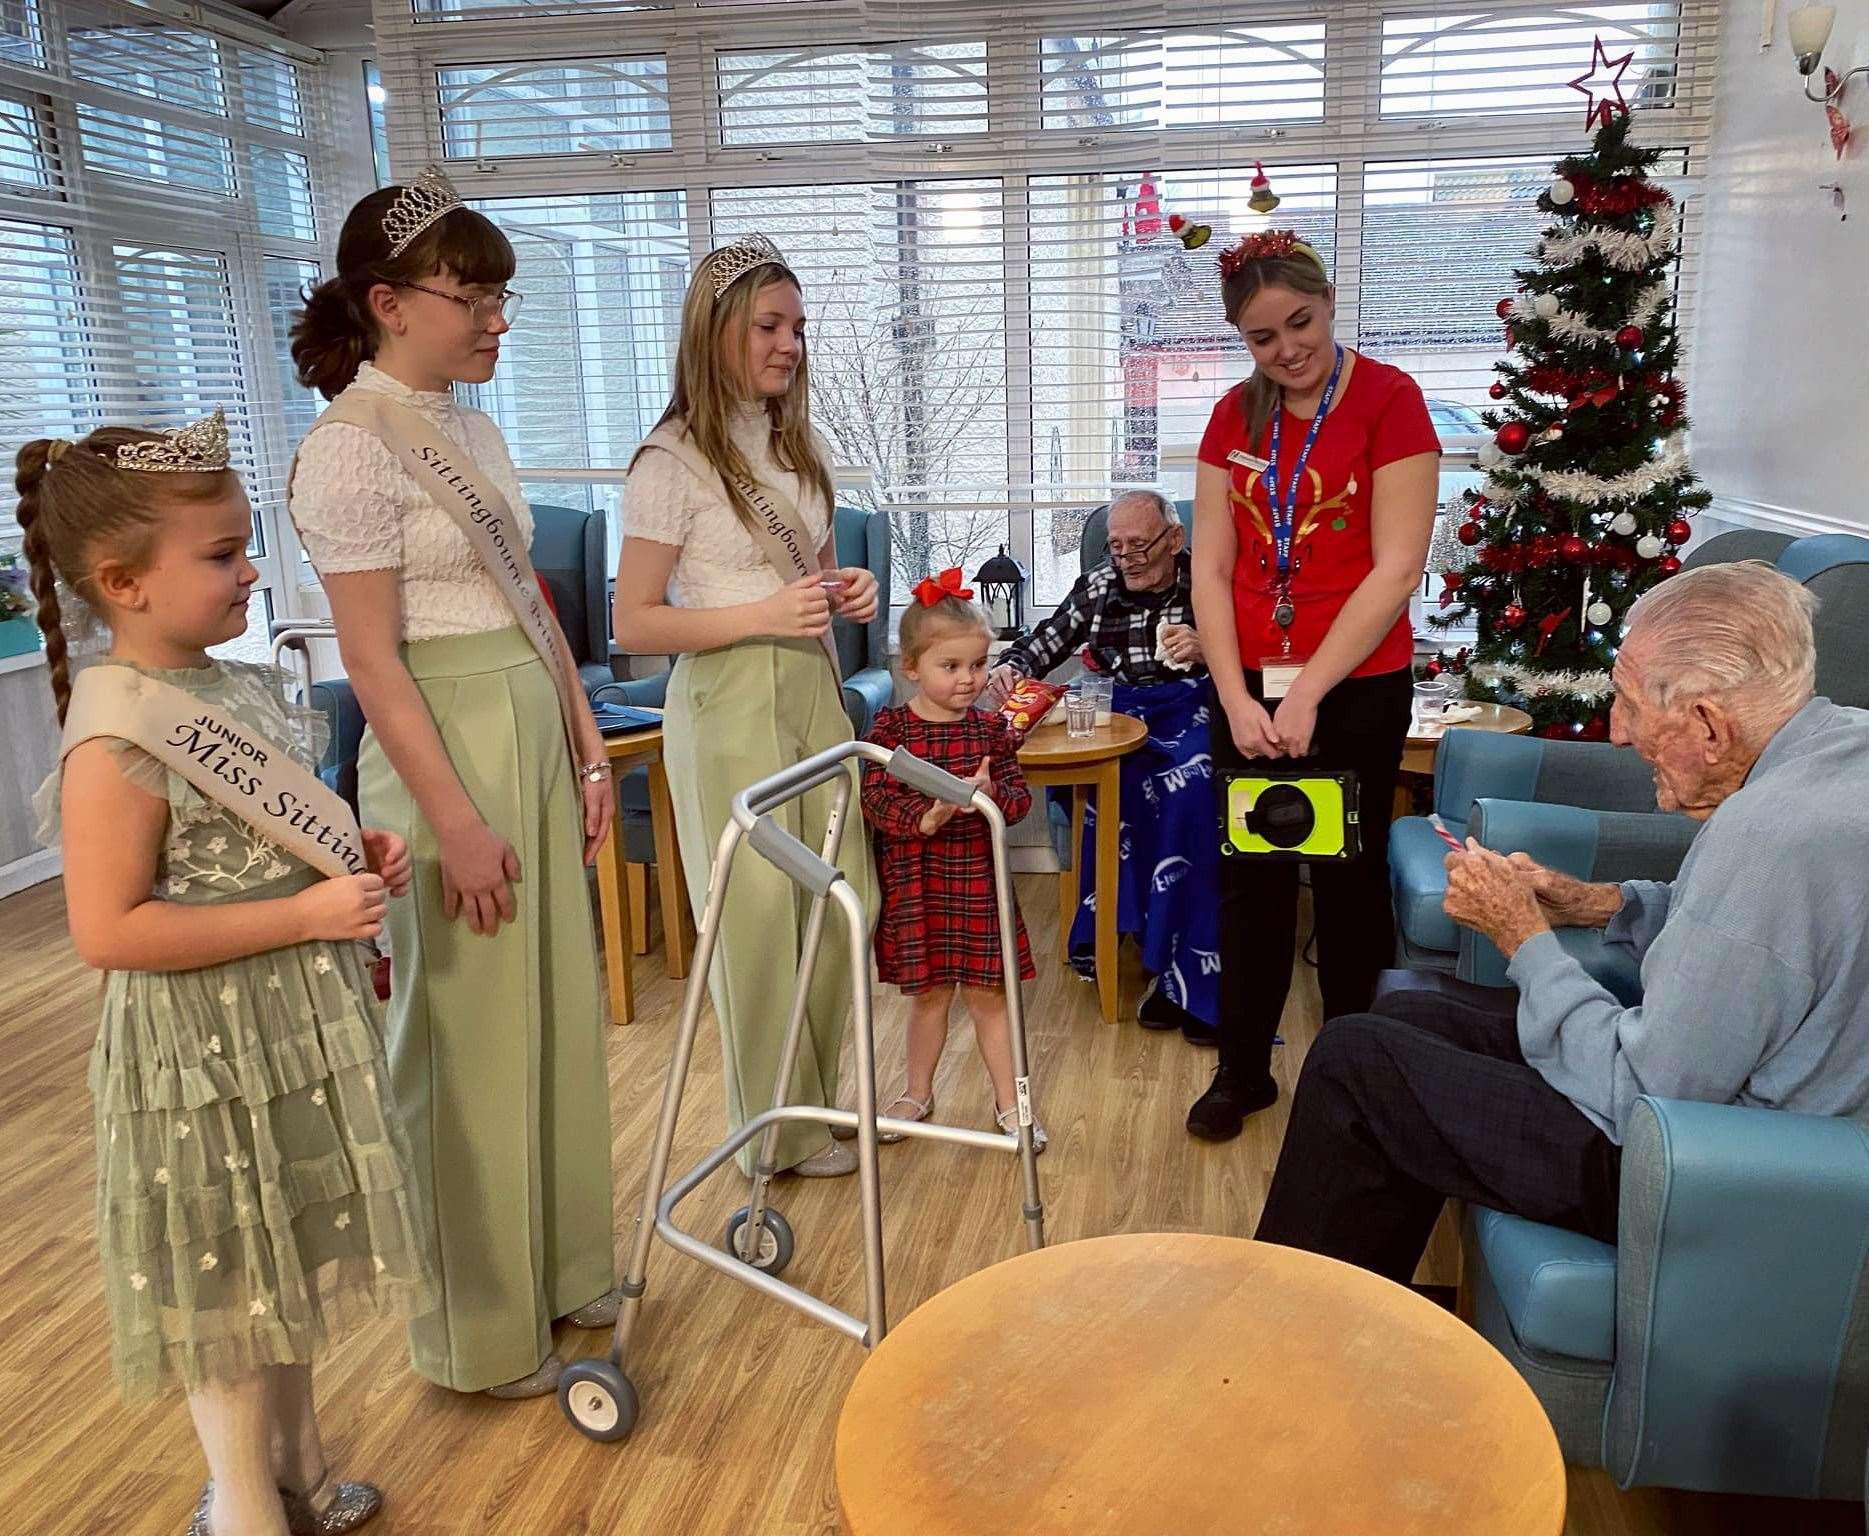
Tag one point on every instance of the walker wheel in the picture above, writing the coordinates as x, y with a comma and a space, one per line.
775, 1241
598, 1399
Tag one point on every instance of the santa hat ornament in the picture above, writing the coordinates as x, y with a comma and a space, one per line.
1263, 199
1191, 235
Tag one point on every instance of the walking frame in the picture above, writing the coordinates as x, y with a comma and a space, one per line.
596, 1394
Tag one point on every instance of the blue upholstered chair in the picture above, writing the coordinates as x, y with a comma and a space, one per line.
1835, 567
1722, 1344
862, 655
1637, 843
570, 553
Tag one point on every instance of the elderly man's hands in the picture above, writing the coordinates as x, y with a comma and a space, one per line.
1567, 901
1181, 645
1486, 893
1000, 682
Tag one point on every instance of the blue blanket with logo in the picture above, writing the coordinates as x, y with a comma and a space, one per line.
1168, 886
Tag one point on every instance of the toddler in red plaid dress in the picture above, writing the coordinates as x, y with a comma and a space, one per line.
939, 930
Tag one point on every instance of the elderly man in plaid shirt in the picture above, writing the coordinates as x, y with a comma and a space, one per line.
1133, 617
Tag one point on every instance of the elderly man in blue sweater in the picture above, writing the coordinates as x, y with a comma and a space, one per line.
1755, 960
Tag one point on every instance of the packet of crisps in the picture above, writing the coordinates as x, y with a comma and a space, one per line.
1027, 703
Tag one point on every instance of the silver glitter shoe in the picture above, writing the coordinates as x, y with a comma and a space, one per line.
833, 1162
198, 1525
541, 1383
601, 1313
350, 1505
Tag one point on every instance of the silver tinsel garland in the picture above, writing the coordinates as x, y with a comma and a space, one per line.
1585, 687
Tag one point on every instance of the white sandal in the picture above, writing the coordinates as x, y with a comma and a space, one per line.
1008, 1121
923, 1109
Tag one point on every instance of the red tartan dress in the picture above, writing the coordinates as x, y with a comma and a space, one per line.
940, 922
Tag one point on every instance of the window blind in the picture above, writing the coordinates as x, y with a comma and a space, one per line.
161, 202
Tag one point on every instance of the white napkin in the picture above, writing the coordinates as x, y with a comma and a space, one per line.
1161, 650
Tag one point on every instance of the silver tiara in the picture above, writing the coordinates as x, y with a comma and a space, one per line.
429, 197
200, 448
732, 262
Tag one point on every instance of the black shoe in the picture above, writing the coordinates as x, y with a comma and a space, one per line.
1196, 1032
1157, 1012
1218, 1113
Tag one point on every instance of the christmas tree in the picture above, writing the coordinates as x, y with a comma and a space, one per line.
1588, 487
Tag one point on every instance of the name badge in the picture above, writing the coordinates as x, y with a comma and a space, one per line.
1277, 675
1241, 457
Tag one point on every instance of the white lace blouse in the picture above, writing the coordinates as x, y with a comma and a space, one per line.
719, 564
357, 509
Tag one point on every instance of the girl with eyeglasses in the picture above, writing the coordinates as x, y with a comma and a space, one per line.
487, 761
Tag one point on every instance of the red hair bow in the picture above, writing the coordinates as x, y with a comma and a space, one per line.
936, 589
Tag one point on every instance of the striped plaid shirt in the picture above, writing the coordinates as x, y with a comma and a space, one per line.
1116, 623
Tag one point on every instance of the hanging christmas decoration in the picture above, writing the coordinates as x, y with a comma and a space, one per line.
1561, 191
1191, 235
1648, 547
1514, 437
1546, 306
1574, 550
1629, 337
1469, 534
1512, 616
1668, 565
1262, 198
1599, 613
1680, 531
1623, 523
1503, 308
1497, 390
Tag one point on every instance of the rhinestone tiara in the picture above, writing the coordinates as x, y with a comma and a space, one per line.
732, 262
429, 197
200, 448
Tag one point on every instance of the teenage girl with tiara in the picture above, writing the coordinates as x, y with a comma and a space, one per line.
253, 1192
939, 932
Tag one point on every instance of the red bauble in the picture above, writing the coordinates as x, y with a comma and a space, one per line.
1667, 565
1596, 728
1513, 437
1468, 534
1679, 531
1512, 616
1497, 391
1543, 549
1432, 670
1574, 549
1503, 308
1629, 337
1558, 732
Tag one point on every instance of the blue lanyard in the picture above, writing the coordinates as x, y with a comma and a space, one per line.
1285, 508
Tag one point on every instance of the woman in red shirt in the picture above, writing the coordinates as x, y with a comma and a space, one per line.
1301, 593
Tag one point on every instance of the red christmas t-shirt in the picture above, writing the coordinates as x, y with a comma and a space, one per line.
1379, 418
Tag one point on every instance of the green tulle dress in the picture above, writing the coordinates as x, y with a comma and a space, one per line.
252, 1186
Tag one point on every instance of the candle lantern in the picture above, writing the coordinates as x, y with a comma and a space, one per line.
1001, 584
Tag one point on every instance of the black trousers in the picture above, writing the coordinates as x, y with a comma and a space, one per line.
1425, 1099
1362, 726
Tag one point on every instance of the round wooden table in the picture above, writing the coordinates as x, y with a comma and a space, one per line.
1174, 1382
1053, 758
1418, 755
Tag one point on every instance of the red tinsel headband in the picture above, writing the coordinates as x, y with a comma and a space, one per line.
938, 589
1268, 245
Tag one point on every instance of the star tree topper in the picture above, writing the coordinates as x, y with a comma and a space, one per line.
1601, 85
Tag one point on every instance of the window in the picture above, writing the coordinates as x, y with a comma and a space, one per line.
1267, 74
614, 105
817, 96
157, 219
375, 98
1004, 330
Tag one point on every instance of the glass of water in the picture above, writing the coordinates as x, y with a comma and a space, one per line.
1080, 712
1431, 695
1102, 691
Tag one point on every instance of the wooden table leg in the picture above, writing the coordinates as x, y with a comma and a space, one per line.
1109, 819
668, 874
1069, 879
613, 911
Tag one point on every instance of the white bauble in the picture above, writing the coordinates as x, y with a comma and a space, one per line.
1546, 306
1489, 456
1623, 523
1599, 614
1648, 547
1561, 192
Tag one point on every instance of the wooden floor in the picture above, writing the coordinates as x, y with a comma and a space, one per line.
740, 1395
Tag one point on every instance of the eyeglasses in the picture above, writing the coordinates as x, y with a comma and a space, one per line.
1124, 554
481, 311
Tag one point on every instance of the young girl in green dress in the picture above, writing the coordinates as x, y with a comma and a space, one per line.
252, 1192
